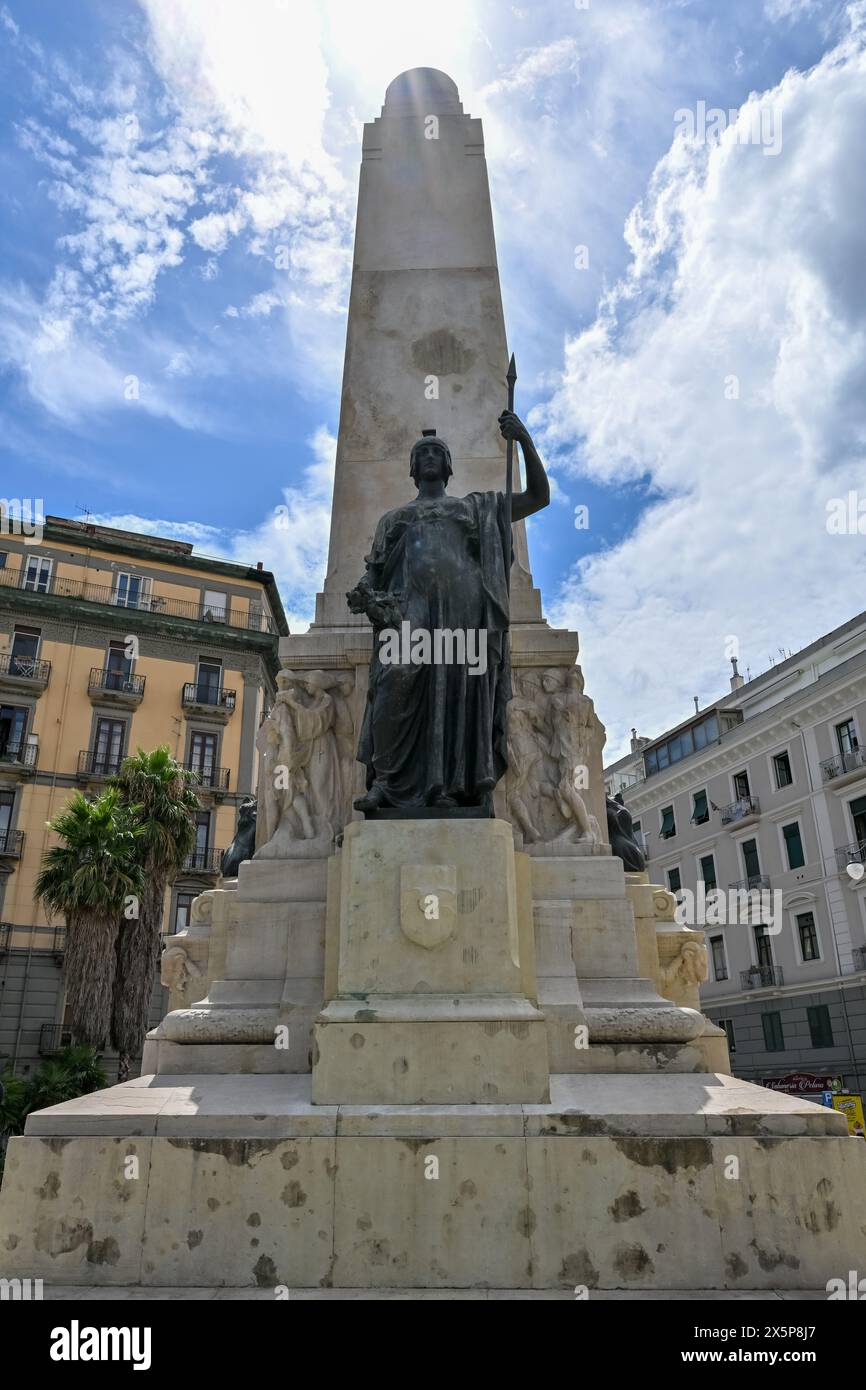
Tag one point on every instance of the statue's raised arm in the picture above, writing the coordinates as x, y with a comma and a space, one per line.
537, 493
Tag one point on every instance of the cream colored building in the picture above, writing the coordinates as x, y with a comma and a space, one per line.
765, 789
110, 641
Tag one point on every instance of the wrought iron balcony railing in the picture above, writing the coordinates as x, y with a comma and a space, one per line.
753, 881
25, 668
199, 693
116, 682
739, 810
58, 586
851, 854
843, 763
212, 778
203, 861
12, 842
92, 763
20, 753
53, 1037
761, 977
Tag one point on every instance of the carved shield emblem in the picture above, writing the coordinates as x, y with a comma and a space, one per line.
428, 903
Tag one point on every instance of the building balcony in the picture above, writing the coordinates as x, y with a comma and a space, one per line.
24, 675
845, 767
20, 756
761, 977
200, 699
203, 861
115, 688
53, 1038
851, 854
59, 587
749, 884
742, 812
12, 844
212, 779
93, 765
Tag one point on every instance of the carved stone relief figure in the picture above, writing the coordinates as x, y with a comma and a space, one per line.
307, 747
552, 724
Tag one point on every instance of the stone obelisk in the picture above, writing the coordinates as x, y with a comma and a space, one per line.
426, 344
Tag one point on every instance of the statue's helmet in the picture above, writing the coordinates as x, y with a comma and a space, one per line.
429, 437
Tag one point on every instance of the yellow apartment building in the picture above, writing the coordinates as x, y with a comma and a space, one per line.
109, 641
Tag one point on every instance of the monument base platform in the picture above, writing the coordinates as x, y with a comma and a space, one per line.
694, 1181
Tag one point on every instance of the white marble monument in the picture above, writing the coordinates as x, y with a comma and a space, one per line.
432, 1053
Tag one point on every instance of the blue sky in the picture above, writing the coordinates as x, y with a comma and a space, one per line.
158, 368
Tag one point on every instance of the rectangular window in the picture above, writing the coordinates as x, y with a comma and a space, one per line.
675, 882
4, 555
782, 770
774, 1037
808, 936
668, 826
132, 591
203, 756
7, 801
25, 650
846, 737
181, 911
108, 746
751, 862
708, 872
13, 727
118, 668
763, 949
214, 607
202, 840
209, 681
720, 965
820, 1027
857, 809
741, 786
793, 845
728, 1025
37, 574
700, 809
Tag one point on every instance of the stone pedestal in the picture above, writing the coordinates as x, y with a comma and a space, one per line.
433, 973
258, 1014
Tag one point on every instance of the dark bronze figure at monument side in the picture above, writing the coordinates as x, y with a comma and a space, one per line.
433, 734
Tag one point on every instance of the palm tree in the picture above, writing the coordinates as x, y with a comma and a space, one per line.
158, 792
86, 878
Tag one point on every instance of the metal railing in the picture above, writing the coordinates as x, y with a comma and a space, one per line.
851, 854
92, 763
20, 753
197, 693
761, 977
59, 587
842, 763
12, 842
739, 810
115, 681
753, 881
53, 1037
213, 778
203, 861
25, 668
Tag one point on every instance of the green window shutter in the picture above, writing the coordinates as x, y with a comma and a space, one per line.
668, 827
700, 813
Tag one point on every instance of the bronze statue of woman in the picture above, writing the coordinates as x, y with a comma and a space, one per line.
434, 727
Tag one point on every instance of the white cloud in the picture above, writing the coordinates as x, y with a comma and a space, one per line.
744, 267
